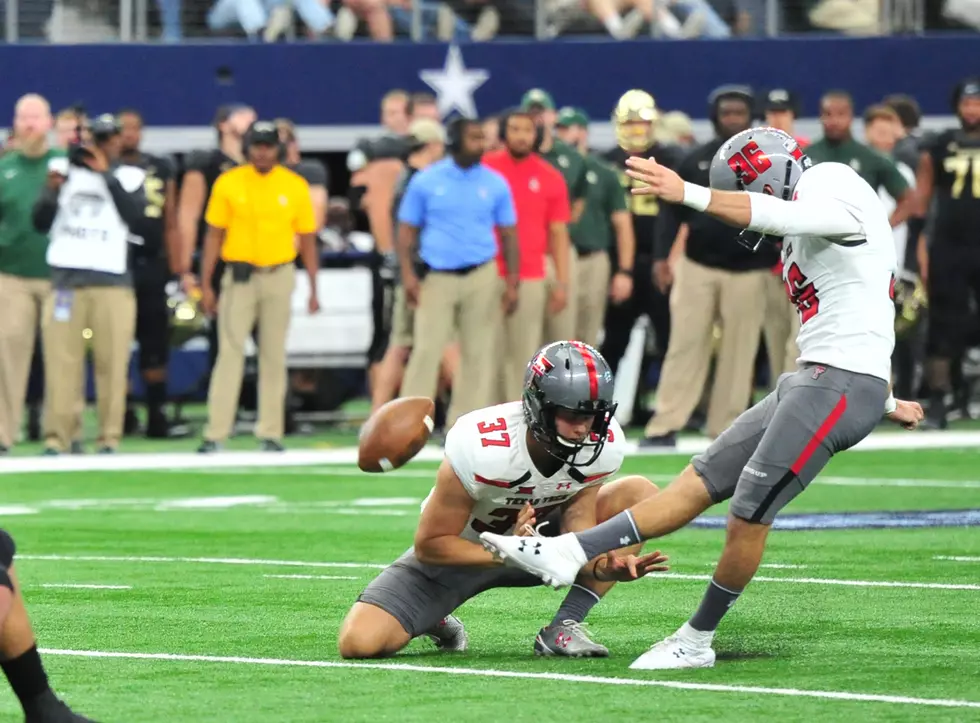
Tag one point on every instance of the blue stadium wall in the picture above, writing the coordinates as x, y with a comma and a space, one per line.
340, 84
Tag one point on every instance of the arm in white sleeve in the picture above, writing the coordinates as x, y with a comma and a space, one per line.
813, 217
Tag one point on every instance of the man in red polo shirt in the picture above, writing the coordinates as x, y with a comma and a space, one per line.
543, 213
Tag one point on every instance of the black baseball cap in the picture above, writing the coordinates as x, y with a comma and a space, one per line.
780, 99
263, 133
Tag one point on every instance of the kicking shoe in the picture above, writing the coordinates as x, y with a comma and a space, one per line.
569, 639
687, 648
556, 560
47, 708
449, 635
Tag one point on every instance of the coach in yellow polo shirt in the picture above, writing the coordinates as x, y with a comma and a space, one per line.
254, 216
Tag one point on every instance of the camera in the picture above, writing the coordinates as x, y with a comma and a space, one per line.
389, 146
101, 129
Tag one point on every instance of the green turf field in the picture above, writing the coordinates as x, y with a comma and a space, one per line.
235, 581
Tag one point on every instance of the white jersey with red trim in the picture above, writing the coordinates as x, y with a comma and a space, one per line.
488, 451
839, 267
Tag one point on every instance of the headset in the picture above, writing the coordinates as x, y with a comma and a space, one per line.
742, 92
502, 128
263, 128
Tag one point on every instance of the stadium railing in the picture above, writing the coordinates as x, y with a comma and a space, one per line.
75, 21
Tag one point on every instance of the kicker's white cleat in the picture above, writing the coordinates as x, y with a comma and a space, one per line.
556, 560
678, 651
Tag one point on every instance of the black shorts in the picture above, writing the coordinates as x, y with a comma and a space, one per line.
954, 296
150, 278
382, 306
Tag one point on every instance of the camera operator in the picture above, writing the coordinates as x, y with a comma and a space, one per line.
92, 210
154, 263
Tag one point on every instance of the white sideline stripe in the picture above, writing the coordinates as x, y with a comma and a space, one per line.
312, 577
431, 453
956, 558
375, 566
562, 677
826, 581
770, 565
87, 587
202, 560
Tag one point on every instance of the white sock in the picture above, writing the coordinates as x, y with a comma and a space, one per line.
696, 636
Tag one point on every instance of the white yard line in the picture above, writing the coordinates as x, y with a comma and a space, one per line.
376, 566
312, 577
956, 558
431, 453
560, 677
86, 587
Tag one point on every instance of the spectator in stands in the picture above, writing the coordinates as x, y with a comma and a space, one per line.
675, 128
605, 214
374, 13
491, 129
543, 214
782, 109
429, 147
25, 283
67, 126
315, 14
258, 281
423, 105
836, 117
911, 138
716, 277
92, 283
449, 213
395, 111
311, 170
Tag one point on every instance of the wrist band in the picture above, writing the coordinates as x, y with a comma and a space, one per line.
696, 197
891, 404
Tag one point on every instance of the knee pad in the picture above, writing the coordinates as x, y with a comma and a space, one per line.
7, 549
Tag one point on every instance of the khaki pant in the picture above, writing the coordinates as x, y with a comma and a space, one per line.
22, 302
700, 294
110, 312
779, 330
522, 337
560, 326
591, 295
402, 320
267, 299
469, 306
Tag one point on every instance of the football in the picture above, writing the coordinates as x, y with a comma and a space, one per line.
395, 433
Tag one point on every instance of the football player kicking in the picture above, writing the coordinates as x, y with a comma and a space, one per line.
529, 468
19, 658
838, 265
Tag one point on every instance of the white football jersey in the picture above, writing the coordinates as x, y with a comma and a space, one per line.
842, 284
488, 450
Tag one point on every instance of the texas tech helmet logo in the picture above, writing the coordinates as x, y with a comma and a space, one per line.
541, 365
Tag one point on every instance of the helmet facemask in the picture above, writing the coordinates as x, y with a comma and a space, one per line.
541, 419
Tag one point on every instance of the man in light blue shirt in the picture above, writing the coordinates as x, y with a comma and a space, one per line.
450, 217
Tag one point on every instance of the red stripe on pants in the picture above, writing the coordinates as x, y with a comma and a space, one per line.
819, 436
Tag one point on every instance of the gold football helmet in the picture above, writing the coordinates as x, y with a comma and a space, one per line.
186, 318
635, 118
910, 300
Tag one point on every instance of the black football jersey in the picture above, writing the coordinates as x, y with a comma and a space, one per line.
644, 209
159, 171
956, 173
210, 164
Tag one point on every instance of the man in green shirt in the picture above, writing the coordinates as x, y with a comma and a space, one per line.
839, 146
605, 212
24, 272
559, 323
